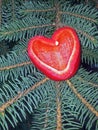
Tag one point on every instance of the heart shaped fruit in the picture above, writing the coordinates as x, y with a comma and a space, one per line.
57, 57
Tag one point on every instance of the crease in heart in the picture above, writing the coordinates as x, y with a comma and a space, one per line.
56, 58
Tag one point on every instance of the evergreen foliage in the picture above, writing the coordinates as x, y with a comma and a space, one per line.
28, 99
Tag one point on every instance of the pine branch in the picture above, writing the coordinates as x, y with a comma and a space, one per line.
90, 56
29, 8
19, 97
70, 104
21, 94
0, 11
14, 65
82, 99
19, 29
15, 87
9, 11
86, 12
13, 10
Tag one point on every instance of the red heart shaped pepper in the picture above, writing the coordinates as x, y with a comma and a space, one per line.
57, 57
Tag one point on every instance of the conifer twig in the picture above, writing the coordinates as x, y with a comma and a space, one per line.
15, 66
58, 20
79, 16
13, 10
21, 94
26, 28
85, 81
58, 102
38, 10
46, 116
0, 12
83, 100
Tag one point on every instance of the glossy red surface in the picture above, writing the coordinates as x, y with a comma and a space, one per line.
57, 57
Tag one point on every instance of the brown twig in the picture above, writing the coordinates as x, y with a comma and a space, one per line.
58, 102
58, 15
39, 10
46, 116
79, 16
15, 66
27, 28
87, 82
0, 12
13, 10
